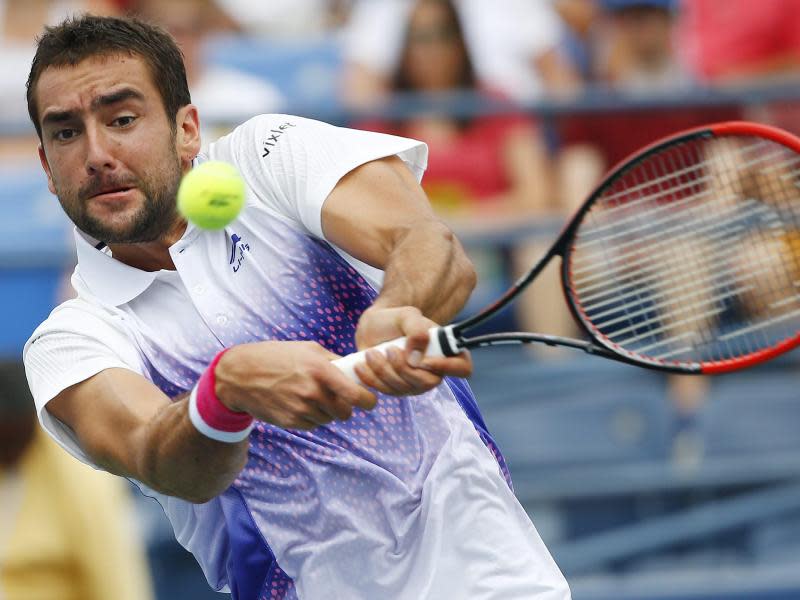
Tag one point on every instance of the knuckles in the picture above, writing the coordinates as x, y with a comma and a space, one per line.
311, 370
307, 391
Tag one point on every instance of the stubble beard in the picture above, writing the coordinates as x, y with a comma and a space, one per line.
154, 218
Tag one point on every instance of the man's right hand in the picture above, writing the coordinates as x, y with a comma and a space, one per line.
290, 384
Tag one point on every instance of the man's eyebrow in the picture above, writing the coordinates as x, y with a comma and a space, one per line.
116, 97
58, 116
62, 116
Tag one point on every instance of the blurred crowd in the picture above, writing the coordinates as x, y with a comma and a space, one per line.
486, 170
520, 51
241, 55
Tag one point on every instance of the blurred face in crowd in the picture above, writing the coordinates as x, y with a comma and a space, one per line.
647, 31
184, 21
580, 15
435, 56
189, 22
110, 152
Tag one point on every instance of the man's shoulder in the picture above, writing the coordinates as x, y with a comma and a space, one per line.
266, 122
76, 316
262, 133
77, 308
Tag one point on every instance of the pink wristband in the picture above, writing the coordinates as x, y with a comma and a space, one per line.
212, 418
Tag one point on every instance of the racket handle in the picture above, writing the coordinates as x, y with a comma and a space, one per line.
348, 363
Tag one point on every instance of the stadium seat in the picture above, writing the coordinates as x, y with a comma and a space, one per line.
753, 412
306, 73
506, 375
777, 541
612, 424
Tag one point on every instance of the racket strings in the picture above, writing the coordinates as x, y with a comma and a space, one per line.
626, 252
693, 254
751, 331
754, 259
632, 206
685, 318
729, 290
632, 260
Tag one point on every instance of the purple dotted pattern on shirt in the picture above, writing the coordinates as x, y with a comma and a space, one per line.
305, 485
305, 482
279, 587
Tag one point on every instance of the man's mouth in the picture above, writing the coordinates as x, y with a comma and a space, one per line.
112, 191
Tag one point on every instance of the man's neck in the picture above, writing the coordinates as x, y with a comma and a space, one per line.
150, 256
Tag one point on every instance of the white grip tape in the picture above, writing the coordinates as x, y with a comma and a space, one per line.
347, 363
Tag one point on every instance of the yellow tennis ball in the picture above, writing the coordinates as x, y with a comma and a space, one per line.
211, 195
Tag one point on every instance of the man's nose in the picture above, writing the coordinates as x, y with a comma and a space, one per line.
99, 155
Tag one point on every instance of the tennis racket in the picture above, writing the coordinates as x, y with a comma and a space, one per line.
686, 258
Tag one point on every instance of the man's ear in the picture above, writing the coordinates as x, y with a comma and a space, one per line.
187, 137
46, 167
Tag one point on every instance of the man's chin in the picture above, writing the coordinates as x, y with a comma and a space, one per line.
123, 235
122, 228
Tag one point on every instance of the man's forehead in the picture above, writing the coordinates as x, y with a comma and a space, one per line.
63, 85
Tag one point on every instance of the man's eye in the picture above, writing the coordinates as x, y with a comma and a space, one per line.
123, 121
64, 134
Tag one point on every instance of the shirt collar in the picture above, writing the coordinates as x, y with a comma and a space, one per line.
113, 281
108, 279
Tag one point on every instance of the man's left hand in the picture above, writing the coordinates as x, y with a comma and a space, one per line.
403, 372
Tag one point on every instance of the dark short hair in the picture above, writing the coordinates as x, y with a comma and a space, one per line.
78, 38
467, 79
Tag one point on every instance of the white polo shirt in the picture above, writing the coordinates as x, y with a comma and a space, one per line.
407, 501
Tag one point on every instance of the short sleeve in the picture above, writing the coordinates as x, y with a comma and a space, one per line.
76, 342
291, 164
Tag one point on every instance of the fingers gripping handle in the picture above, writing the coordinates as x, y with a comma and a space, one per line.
441, 342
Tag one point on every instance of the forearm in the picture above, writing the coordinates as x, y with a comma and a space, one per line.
428, 269
178, 460
379, 213
287, 384
128, 427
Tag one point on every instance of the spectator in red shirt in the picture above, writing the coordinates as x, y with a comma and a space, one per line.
741, 42
485, 171
634, 55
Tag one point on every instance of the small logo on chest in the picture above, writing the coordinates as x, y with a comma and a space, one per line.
238, 250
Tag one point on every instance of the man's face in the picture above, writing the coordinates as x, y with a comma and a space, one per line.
108, 148
648, 30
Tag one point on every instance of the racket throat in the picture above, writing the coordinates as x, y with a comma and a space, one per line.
519, 337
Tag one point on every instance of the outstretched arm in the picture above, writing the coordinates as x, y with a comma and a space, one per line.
126, 425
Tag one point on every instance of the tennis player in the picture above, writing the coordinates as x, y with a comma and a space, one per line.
197, 363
